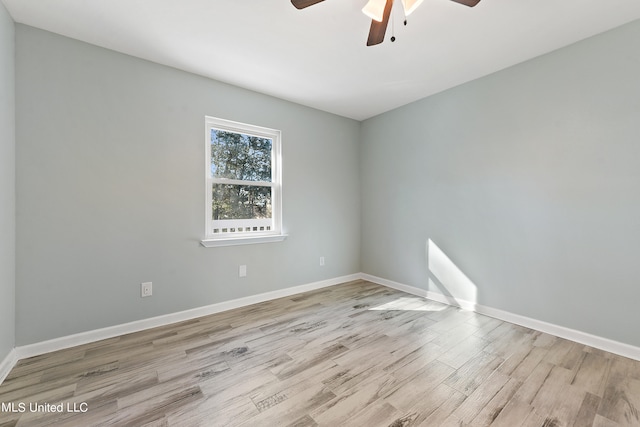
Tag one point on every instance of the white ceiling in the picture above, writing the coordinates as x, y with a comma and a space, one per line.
317, 56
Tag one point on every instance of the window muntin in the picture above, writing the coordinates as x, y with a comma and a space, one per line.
243, 180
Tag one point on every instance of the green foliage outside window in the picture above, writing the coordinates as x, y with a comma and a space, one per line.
246, 158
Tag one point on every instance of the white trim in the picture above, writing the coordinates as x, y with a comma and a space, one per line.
245, 240
394, 285
7, 364
595, 341
275, 136
37, 349
23, 352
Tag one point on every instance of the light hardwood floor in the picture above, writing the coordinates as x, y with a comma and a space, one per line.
356, 354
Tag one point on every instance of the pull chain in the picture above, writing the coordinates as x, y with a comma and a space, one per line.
393, 27
404, 13
393, 22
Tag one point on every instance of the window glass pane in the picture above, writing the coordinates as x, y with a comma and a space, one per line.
239, 156
240, 202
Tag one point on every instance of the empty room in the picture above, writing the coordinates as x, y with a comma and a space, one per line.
319, 213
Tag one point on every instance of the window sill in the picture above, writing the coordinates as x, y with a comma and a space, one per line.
215, 243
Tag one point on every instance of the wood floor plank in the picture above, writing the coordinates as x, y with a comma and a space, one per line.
495, 406
554, 385
479, 399
544, 340
337, 411
417, 359
462, 352
592, 373
108, 390
454, 336
378, 413
513, 414
356, 354
350, 377
534, 419
432, 407
416, 388
473, 373
534, 382
301, 364
621, 401
320, 374
529, 363
305, 421
295, 407
588, 410
565, 411
600, 421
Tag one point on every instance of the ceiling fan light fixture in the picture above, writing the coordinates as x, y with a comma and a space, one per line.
410, 6
374, 9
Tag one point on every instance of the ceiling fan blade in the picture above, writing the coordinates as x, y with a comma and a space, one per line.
301, 4
469, 3
377, 30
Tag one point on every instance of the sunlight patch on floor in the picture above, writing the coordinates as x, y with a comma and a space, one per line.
410, 304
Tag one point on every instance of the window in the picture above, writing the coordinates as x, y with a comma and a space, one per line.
243, 183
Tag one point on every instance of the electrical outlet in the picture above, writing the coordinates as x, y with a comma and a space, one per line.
146, 289
321, 261
242, 271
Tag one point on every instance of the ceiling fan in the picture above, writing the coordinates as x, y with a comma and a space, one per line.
379, 11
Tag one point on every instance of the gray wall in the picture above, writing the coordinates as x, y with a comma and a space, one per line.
528, 180
7, 184
110, 177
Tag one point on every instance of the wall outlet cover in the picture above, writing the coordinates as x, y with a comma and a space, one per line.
146, 289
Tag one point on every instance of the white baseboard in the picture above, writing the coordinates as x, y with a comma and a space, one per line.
7, 364
595, 341
30, 350
37, 349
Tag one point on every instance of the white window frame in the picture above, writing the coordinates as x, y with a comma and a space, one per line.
240, 238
